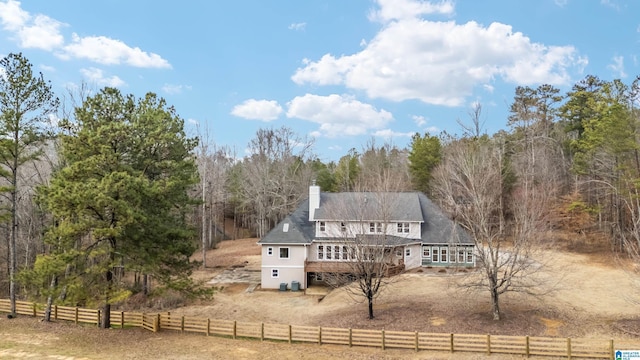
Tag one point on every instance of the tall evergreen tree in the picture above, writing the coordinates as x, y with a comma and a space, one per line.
121, 200
424, 156
26, 101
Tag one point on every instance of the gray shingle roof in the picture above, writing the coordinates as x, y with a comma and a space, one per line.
437, 228
369, 206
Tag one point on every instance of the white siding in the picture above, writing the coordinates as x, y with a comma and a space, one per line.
415, 259
290, 269
333, 229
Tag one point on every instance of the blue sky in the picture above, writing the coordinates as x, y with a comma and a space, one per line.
341, 72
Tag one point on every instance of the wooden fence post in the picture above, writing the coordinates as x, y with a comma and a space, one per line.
235, 328
35, 310
76, 315
350, 338
55, 312
182, 324
526, 345
158, 322
98, 318
451, 342
319, 335
383, 340
208, 326
121, 319
569, 348
261, 331
417, 342
488, 344
611, 349
290, 335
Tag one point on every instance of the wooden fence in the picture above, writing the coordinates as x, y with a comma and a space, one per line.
519, 345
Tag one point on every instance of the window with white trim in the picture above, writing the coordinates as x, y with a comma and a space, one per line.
426, 251
407, 252
452, 255
269, 251
375, 227
343, 227
274, 273
460, 254
344, 253
284, 253
435, 254
403, 227
329, 248
320, 252
470, 255
336, 252
323, 226
399, 252
443, 253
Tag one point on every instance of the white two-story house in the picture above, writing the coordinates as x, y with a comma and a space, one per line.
319, 236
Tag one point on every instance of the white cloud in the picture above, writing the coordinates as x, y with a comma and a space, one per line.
96, 76
338, 114
388, 133
561, 3
610, 3
104, 50
265, 110
175, 89
298, 26
439, 62
419, 120
37, 32
402, 9
618, 66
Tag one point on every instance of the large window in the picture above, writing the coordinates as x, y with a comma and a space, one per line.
470, 255
329, 248
443, 253
344, 253
434, 254
426, 251
320, 252
403, 227
460, 255
284, 253
375, 227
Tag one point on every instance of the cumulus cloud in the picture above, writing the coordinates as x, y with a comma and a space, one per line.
36, 32
43, 32
96, 76
265, 110
298, 26
388, 133
104, 50
439, 62
338, 114
419, 120
618, 66
175, 89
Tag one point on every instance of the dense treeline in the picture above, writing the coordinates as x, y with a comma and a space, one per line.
576, 153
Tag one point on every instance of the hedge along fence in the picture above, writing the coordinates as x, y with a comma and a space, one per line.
519, 345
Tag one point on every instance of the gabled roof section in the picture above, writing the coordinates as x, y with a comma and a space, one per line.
369, 206
299, 229
438, 228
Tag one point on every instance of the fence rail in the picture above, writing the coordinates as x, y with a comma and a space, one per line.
518, 345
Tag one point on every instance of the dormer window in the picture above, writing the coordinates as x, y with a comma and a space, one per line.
343, 227
323, 226
375, 227
403, 227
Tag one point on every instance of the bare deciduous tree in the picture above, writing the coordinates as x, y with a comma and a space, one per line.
470, 185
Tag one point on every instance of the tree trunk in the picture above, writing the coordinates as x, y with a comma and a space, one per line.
105, 320
13, 259
47, 310
495, 305
370, 300
145, 284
